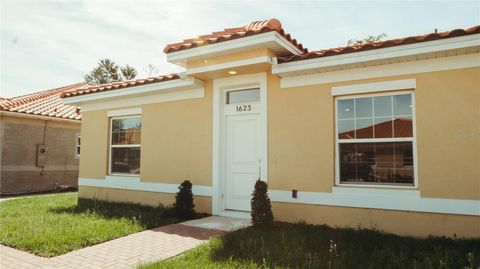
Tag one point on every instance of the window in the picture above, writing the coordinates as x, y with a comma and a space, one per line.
125, 143
375, 140
77, 146
243, 96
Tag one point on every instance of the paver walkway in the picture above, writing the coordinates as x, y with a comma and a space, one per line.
129, 251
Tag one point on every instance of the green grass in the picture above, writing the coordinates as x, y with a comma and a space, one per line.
308, 246
55, 224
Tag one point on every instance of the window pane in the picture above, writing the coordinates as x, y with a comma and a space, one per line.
346, 129
363, 107
404, 162
364, 128
402, 105
243, 96
126, 131
345, 109
126, 160
348, 167
379, 163
383, 127
382, 106
403, 127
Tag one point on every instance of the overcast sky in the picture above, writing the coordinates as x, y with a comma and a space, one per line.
47, 44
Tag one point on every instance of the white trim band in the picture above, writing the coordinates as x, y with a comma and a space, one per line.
134, 183
392, 85
385, 199
125, 112
396, 69
399, 200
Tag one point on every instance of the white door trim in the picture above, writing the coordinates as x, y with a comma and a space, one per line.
258, 80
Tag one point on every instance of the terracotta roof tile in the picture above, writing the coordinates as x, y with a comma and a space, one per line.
45, 103
118, 85
381, 44
254, 28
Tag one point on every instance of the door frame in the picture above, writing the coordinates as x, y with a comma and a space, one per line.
220, 87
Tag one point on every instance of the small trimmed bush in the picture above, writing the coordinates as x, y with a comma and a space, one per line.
183, 206
261, 206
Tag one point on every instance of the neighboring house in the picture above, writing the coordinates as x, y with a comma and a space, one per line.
39, 142
382, 135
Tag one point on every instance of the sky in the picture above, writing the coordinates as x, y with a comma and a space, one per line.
49, 44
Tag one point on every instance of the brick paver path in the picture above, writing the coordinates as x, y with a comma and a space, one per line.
125, 252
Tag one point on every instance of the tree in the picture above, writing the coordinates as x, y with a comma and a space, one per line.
107, 72
150, 70
128, 72
261, 206
366, 40
183, 206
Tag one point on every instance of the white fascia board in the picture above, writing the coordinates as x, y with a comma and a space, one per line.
396, 69
392, 85
222, 47
216, 67
378, 54
157, 87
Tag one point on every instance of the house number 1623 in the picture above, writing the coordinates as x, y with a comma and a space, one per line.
243, 108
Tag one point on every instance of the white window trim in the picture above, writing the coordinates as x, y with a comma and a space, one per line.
77, 145
392, 85
412, 139
110, 147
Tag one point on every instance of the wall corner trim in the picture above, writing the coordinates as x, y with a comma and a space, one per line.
392, 85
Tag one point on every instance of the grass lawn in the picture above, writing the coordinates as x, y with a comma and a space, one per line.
308, 246
55, 224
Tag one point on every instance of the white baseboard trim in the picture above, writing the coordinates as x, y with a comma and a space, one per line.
126, 184
385, 199
399, 200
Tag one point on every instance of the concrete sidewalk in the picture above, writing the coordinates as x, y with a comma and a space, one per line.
131, 250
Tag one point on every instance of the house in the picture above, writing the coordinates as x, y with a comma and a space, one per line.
382, 135
39, 142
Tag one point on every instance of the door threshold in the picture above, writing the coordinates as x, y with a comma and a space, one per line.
234, 214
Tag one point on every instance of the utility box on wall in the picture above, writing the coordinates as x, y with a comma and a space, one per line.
41, 155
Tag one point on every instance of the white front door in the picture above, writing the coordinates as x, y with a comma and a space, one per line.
242, 149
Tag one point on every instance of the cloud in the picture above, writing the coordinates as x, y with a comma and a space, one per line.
46, 44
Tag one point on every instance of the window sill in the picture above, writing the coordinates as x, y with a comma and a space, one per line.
377, 191
129, 178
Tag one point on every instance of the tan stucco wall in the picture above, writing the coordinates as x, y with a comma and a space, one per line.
301, 140
178, 141
398, 222
93, 163
202, 204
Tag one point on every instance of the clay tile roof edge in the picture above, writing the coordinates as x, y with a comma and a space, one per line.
381, 44
253, 28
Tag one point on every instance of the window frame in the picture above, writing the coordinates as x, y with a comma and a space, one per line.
412, 139
78, 141
110, 146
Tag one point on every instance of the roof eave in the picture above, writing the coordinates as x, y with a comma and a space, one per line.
316, 64
156, 87
272, 40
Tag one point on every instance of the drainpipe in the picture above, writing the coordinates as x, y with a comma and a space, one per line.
45, 128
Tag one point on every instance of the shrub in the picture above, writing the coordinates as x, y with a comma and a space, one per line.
261, 206
183, 206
